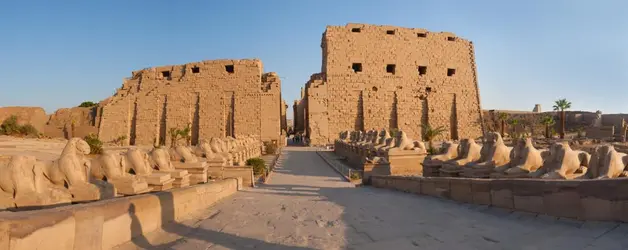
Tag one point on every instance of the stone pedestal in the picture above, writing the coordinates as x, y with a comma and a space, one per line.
197, 171
372, 168
406, 162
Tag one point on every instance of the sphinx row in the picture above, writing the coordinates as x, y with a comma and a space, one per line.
74, 177
494, 159
400, 154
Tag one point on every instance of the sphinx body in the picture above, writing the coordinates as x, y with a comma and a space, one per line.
493, 154
110, 167
468, 152
139, 163
23, 184
567, 163
606, 162
525, 159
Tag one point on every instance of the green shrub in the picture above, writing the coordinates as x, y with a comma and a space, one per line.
354, 176
119, 140
87, 104
10, 127
271, 148
258, 164
29, 130
95, 145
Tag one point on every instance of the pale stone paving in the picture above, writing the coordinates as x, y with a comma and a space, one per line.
309, 206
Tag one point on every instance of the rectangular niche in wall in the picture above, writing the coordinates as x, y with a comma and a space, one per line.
390, 68
357, 67
229, 68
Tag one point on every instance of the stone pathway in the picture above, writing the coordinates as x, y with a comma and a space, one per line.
307, 205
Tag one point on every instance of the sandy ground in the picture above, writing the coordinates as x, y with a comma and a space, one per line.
307, 205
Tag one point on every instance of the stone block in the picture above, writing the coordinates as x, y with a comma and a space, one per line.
501, 194
428, 187
481, 189
409, 185
89, 227
528, 195
561, 199
441, 187
461, 190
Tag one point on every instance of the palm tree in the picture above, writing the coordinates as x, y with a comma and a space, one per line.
502, 117
561, 105
429, 134
513, 123
548, 121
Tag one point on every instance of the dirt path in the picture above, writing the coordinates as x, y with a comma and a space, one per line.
308, 206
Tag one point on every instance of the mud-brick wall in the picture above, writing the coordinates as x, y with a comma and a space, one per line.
581, 199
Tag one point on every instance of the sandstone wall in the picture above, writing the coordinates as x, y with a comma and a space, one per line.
35, 116
392, 77
215, 98
108, 223
577, 199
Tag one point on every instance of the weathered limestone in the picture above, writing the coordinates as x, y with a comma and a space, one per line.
525, 159
606, 162
567, 163
138, 163
72, 170
469, 152
410, 78
405, 158
109, 167
494, 154
160, 160
214, 98
24, 185
183, 159
433, 163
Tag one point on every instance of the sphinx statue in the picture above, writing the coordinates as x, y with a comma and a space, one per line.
218, 147
525, 159
448, 150
184, 173
403, 142
182, 154
606, 162
72, 170
493, 154
390, 143
137, 162
419, 146
468, 153
23, 184
567, 163
110, 167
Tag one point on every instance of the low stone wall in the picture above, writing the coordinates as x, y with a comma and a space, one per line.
244, 173
602, 133
108, 223
603, 200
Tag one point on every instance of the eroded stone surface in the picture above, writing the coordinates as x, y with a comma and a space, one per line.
309, 206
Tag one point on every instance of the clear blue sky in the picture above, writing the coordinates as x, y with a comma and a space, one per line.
59, 54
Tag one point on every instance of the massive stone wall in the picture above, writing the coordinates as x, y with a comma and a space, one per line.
396, 78
215, 98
